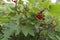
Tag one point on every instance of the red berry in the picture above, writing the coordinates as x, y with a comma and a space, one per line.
14, 1
40, 17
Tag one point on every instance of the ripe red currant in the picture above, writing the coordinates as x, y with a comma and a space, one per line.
14, 1
40, 17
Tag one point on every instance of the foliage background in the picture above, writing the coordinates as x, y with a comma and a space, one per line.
19, 21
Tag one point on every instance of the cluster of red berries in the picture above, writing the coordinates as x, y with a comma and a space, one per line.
40, 15
14, 1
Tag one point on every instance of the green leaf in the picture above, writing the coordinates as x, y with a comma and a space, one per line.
4, 19
25, 30
8, 0
4, 39
58, 37
40, 1
44, 4
31, 32
9, 29
52, 36
55, 10
28, 29
32, 1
